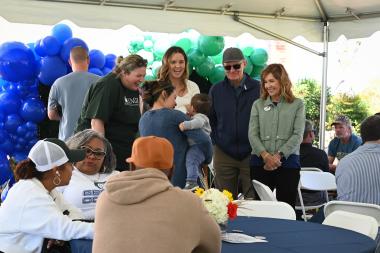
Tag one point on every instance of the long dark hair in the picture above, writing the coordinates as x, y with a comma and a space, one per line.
151, 90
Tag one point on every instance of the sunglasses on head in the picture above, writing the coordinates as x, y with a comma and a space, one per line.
234, 66
98, 154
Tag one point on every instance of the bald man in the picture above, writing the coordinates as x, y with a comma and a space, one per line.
67, 93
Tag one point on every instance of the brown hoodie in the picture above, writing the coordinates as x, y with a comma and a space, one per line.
141, 212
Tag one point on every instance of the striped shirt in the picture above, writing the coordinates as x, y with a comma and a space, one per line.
358, 175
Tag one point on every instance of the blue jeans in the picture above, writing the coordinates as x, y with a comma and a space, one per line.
194, 159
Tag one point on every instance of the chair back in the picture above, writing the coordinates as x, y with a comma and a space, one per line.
271, 209
317, 181
353, 207
363, 224
311, 169
263, 191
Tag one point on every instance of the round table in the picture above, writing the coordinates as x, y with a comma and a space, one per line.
296, 236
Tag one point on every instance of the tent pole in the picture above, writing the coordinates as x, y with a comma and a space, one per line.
322, 119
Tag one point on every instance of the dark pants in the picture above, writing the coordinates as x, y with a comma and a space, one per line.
284, 180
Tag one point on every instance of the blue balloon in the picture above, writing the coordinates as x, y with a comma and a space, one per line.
9, 102
2, 117
62, 32
19, 156
12, 122
50, 45
5, 170
30, 136
68, 45
32, 47
31, 126
33, 109
7, 146
110, 61
96, 71
17, 62
39, 49
21, 130
52, 67
97, 59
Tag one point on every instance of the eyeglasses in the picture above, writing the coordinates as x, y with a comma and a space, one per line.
234, 66
97, 153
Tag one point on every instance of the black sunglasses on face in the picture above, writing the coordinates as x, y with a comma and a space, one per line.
97, 153
234, 66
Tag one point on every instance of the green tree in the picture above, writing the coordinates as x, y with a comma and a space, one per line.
351, 105
310, 91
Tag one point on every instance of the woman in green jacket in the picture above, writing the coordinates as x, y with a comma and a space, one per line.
275, 133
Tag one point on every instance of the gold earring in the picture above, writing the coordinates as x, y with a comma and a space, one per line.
57, 179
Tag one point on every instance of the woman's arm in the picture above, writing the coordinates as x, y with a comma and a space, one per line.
297, 134
254, 133
41, 216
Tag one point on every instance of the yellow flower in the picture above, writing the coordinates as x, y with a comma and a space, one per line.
199, 192
228, 195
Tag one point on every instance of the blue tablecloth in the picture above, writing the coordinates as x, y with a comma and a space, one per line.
297, 236
283, 236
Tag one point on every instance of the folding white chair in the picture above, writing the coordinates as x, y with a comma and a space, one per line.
353, 207
311, 169
263, 191
360, 223
271, 209
315, 181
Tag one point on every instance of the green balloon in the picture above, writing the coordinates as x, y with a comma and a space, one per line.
190, 68
149, 75
249, 67
259, 57
148, 45
160, 47
156, 65
256, 71
211, 45
205, 68
247, 51
185, 44
218, 58
217, 75
196, 57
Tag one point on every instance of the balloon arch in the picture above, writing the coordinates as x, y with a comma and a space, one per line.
24, 67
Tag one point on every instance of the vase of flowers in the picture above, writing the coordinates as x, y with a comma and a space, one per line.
219, 205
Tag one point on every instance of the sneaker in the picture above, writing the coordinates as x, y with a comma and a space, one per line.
191, 185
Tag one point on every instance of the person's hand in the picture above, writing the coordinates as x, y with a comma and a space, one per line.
182, 126
272, 162
332, 167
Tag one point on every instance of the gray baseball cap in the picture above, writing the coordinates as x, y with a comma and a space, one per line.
232, 54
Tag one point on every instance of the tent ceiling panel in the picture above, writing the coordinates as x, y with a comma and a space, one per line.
288, 18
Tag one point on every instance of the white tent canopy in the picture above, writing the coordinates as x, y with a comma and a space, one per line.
289, 18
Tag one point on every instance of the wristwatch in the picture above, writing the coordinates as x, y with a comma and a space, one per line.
281, 155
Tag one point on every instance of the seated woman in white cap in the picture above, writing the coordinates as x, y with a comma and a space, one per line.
34, 209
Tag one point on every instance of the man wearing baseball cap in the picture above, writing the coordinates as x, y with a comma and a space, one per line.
232, 101
344, 142
142, 211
